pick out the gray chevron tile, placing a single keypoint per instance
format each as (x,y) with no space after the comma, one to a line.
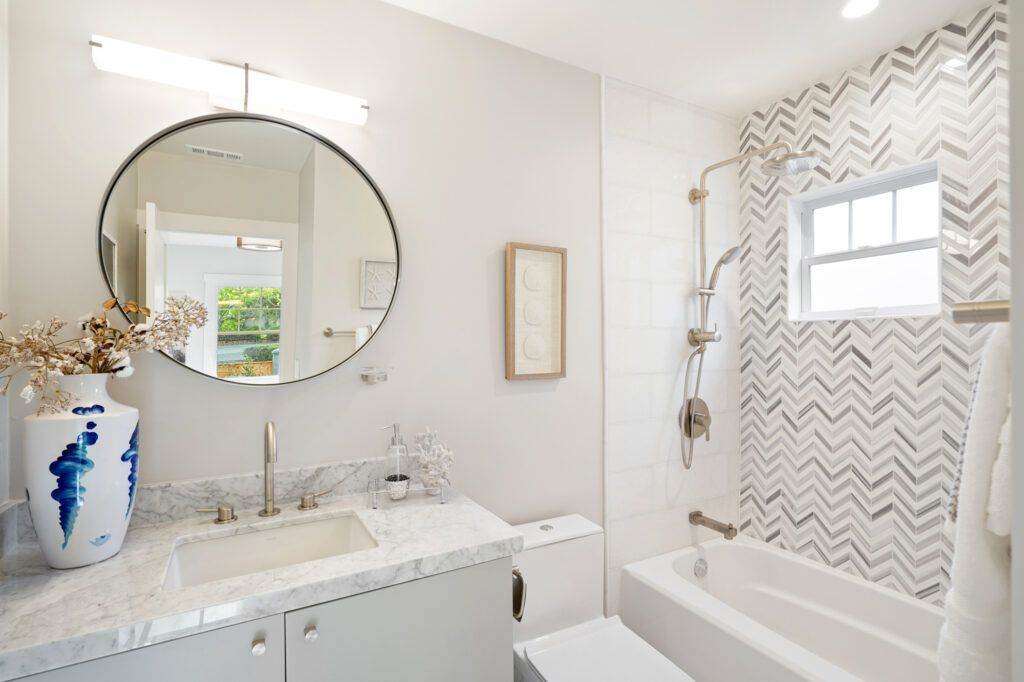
(849,430)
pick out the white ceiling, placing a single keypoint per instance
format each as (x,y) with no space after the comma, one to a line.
(261,144)
(726,55)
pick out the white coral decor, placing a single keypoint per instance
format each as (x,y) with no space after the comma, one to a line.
(435,458)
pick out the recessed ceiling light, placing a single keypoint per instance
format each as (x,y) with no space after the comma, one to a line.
(258,244)
(855,9)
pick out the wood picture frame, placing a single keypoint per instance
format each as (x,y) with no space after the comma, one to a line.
(535,301)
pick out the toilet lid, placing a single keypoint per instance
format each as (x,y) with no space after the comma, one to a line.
(603,652)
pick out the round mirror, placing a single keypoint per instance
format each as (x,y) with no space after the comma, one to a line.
(278,232)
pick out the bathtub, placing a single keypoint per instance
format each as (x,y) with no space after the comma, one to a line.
(762,613)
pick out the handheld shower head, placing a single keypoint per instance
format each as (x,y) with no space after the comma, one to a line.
(727,257)
(790,163)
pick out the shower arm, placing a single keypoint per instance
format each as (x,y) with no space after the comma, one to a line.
(698,196)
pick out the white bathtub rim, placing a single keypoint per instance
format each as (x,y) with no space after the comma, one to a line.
(820,567)
(658,574)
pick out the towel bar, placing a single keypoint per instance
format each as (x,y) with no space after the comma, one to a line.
(331,332)
(972,312)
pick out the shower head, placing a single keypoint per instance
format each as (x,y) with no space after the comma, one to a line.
(727,257)
(790,163)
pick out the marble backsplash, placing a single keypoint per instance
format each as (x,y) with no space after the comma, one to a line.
(174,500)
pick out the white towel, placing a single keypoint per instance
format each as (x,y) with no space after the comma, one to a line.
(974,644)
(363,335)
(1000,497)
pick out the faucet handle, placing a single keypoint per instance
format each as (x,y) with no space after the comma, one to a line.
(308,501)
(225,513)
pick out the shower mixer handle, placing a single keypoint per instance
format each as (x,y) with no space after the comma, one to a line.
(695,418)
(698,336)
(703,420)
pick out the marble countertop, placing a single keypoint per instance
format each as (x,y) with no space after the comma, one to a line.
(53,618)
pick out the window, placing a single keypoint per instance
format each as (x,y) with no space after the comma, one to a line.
(248,331)
(869,248)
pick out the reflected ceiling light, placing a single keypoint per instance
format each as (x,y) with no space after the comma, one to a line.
(225,83)
(957,62)
(258,244)
(854,9)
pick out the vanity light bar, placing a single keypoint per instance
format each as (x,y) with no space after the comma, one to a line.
(269,94)
(225,83)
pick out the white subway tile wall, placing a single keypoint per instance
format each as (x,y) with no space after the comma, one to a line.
(654,151)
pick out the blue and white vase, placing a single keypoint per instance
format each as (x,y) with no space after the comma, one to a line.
(81,470)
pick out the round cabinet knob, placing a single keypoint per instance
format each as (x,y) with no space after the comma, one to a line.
(311,633)
(259,647)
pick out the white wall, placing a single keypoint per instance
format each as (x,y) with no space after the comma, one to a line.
(349,224)
(305,270)
(121,223)
(4,258)
(480,144)
(1016,78)
(654,151)
(187,185)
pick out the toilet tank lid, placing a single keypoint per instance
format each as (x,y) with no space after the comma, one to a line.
(558,529)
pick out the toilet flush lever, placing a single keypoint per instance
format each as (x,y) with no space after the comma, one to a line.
(518,594)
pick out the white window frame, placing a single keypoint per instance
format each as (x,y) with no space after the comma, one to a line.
(801,241)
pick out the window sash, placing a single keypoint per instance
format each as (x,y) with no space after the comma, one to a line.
(867,252)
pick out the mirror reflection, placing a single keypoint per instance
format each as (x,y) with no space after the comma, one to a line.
(283,239)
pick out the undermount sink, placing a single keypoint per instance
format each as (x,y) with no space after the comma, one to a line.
(203,561)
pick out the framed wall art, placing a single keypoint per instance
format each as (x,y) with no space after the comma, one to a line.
(535,278)
(377,279)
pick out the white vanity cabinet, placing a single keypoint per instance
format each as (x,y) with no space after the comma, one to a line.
(446,628)
(252,651)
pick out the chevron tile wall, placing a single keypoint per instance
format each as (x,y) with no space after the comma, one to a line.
(850,429)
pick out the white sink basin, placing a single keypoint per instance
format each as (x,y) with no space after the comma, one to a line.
(203,561)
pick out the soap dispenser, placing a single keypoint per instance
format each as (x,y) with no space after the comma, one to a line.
(397,484)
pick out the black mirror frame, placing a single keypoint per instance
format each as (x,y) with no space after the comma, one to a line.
(239,116)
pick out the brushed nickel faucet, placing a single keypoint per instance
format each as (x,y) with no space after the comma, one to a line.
(726,529)
(269,459)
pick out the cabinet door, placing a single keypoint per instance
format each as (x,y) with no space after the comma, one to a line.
(446,628)
(253,652)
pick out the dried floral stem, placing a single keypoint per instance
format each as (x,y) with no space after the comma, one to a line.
(103,350)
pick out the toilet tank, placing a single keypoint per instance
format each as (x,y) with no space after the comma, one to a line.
(562,563)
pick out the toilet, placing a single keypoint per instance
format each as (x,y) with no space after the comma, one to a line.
(564,636)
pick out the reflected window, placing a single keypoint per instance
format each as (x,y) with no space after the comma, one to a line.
(248,332)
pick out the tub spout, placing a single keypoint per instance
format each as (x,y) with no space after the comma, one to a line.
(728,530)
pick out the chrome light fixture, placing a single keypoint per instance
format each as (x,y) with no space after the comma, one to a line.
(228,86)
(258,244)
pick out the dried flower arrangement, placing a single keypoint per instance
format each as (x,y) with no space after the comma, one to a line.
(103,349)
